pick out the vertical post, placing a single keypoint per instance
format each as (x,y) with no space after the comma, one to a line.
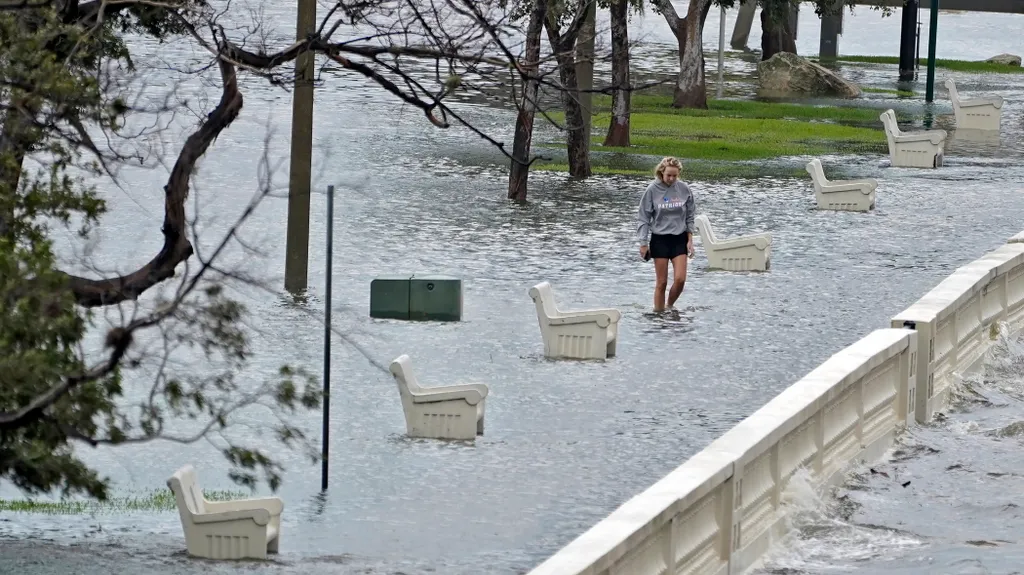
(933,31)
(831,28)
(908,35)
(721,53)
(585,66)
(296,263)
(326,431)
(744,20)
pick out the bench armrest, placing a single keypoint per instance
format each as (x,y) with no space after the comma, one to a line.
(259,516)
(934,136)
(273,505)
(996,101)
(473,393)
(603,318)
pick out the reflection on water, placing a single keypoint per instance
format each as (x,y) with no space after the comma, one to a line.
(566,442)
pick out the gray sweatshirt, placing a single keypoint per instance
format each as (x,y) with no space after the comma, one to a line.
(665,210)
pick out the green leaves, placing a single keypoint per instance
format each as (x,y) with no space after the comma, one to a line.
(183,375)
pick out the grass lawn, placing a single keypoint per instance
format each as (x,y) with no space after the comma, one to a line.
(901,93)
(729,131)
(957,65)
(651,103)
(159,500)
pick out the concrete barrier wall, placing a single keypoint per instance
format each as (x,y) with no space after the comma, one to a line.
(959,319)
(720,511)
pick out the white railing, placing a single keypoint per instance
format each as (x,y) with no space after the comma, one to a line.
(958,319)
(720,511)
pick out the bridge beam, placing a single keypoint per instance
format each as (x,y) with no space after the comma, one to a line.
(1000,6)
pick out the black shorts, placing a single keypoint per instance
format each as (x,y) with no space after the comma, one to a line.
(669,245)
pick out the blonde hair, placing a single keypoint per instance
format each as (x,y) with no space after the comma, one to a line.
(666,162)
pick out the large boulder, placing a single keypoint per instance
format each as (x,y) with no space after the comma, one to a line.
(787,73)
(1005,59)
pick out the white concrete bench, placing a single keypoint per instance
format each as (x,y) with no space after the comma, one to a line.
(923,149)
(751,252)
(580,334)
(845,195)
(239,529)
(446,412)
(982,113)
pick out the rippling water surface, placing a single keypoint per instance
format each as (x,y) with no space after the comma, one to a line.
(566,442)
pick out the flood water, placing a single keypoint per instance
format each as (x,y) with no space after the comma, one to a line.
(565,442)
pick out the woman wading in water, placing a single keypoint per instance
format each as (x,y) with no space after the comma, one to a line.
(665,229)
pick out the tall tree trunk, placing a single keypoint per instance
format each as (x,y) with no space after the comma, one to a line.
(564,46)
(519,172)
(777,33)
(585,66)
(691,89)
(618,128)
(15,141)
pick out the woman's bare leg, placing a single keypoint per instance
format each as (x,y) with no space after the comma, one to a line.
(660,282)
(679,265)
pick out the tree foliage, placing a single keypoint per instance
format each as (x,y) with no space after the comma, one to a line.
(59,92)
(169,363)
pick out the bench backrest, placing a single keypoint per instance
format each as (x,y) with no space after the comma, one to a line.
(816,172)
(954,96)
(405,378)
(892,129)
(704,227)
(544,298)
(187,493)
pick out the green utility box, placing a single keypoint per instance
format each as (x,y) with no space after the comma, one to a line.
(389,297)
(437,298)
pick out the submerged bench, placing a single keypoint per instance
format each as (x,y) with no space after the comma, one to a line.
(579,334)
(922,149)
(843,195)
(982,113)
(446,412)
(238,529)
(751,252)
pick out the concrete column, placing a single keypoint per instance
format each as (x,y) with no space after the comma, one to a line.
(741,32)
(831,29)
(908,40)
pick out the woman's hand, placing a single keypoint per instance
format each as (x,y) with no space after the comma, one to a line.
(689,247)
(643,252)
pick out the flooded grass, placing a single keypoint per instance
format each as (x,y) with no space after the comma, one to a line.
(752,109)
(156,500)
(726,139)
(956,65)
(732,139)
(901,93)
(641,166)
(728,132)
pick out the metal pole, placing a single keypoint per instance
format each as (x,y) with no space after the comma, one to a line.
(932,33)
(327,337)
(721,52)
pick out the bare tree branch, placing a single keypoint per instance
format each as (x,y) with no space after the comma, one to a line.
(176,249)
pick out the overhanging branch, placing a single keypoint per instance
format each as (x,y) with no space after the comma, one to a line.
(176,249)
